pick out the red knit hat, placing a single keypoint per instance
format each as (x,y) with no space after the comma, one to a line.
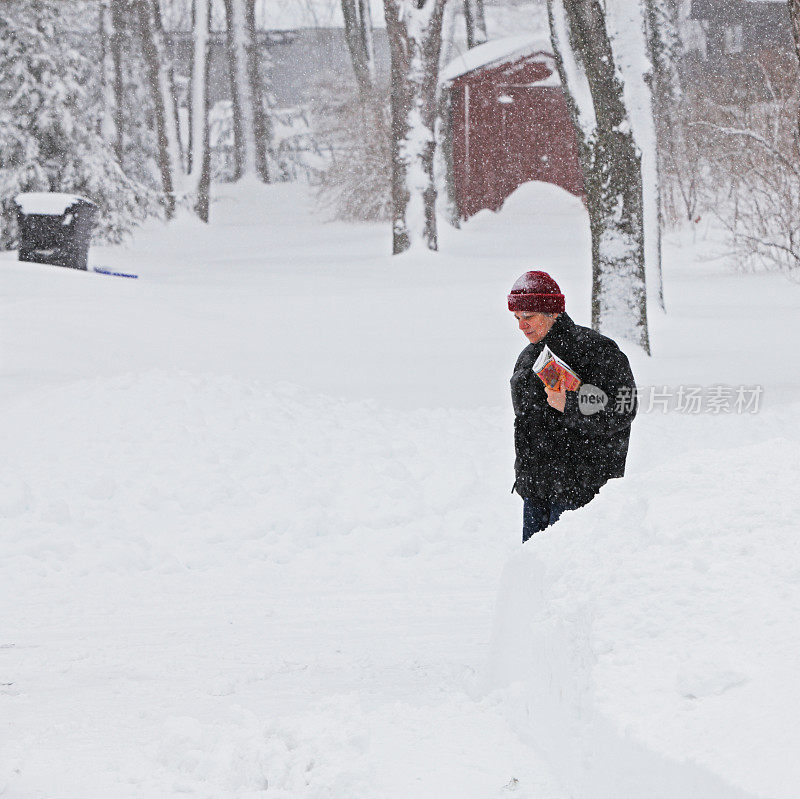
(536,291)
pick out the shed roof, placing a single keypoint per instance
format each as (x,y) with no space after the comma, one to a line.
(500,51)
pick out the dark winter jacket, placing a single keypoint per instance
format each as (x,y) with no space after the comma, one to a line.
(568,456)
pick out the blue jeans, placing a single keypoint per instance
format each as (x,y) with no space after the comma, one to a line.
(539,514)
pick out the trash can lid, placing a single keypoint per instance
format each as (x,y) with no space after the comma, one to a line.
(49,203)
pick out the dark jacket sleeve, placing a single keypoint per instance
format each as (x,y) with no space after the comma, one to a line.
(527,396)
(611,372)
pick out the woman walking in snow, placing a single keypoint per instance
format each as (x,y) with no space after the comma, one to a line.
(573,411)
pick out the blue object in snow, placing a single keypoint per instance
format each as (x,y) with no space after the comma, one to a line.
(101,271)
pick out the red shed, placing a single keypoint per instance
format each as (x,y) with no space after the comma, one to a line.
(509,123)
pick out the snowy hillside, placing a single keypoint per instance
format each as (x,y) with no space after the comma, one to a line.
(257,535)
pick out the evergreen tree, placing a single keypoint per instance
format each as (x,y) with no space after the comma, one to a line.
(50,122)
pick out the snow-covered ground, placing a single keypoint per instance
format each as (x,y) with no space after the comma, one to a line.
(257,536)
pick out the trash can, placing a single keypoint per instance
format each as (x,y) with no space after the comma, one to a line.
(55,228)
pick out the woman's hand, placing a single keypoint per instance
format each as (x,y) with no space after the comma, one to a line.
(556,399)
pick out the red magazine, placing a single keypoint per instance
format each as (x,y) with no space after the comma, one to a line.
(554,373)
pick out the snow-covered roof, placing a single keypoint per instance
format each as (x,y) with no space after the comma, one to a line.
(494,52)
(48,203)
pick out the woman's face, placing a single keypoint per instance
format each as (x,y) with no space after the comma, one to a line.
(534,325)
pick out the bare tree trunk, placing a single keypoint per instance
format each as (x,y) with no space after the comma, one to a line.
(106,123)
(664,49)
(359,35)
(159,78)
(611,167)
(475,22)
(249,118)
(118,27)
(166,85)
(170,94)
(642,29)
(443,165)
(199,149)
(414,28)
(261,121)
(365,15)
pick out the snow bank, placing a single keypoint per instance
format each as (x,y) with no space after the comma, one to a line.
(250,590)
(173,471)
(650,639)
